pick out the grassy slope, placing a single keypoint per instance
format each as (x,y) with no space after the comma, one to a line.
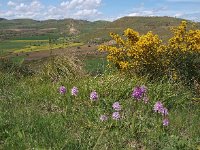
(34,115)
(90,30)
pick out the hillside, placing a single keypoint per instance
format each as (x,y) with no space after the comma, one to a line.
(23,28)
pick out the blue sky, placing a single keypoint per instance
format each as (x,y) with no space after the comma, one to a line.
(98,9)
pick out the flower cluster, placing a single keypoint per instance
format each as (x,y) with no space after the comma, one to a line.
(139,92)
(117,107)
(103,118)
(159,108)
(62,90)
(115,115)
(74,91)
(94,96)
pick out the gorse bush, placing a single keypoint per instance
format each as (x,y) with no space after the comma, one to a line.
(147,54)
(183,51)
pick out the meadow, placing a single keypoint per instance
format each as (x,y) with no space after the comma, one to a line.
(101,101)
(35,114)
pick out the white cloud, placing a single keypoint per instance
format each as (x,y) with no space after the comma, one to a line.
(81,4)
(11,3)
(83,14)
(164,11)
(178,15)
(85,9)
(79,9)
(142,13)
(148,12)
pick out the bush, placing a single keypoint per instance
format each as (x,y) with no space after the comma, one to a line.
(147,54)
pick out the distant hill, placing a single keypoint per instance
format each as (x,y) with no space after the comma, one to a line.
(2,19)
(19,28)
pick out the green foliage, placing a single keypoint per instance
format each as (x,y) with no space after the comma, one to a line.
(34,115)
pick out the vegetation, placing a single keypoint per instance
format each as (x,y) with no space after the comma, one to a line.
(146,54)
(35,115)
(61,102)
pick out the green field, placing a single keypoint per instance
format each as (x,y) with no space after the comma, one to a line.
(14,45)
(18,46)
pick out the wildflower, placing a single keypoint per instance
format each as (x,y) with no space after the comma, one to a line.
(74,91)
(158,107)
(143,89)
(116,115)
(62,90)
(116,106)
(103,118)
(139,92)
(165,122)
(93,96)
(164,111)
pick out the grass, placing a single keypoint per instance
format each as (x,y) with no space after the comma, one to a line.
(47,47)
(18,46)
(34,115)
(95,66)
(37,37)
(12,45)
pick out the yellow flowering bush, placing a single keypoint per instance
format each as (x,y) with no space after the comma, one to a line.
(183,51)
(147,54)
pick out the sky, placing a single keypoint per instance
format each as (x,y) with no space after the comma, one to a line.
(93,10)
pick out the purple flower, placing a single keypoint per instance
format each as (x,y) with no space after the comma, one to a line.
(74,91)
(143,89)
(103,118)
(164,111)
(138,92)
(116,106)
(62,90)
(165,122)
(158,107)
(116,115)
(93,96)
